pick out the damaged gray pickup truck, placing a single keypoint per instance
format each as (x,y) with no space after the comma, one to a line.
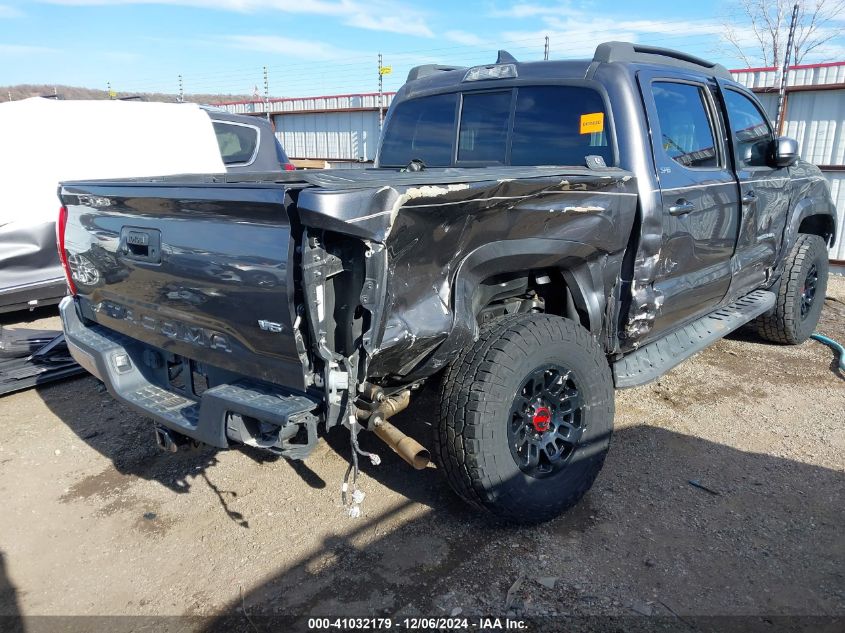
(534,235)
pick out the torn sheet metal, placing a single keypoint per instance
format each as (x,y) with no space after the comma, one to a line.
(30,358)
(444,239)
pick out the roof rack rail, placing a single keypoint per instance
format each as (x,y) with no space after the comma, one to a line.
(418,72)
(628,52)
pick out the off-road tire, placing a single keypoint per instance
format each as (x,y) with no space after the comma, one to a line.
(784,323)
(471,444)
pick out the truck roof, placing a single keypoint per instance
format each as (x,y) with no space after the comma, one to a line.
(433,77)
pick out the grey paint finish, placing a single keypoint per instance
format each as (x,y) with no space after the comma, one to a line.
(29,265)
(383,275)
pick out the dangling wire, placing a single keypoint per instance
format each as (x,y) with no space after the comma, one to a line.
(357,496)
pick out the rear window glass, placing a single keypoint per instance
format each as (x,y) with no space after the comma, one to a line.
(484,127)
(544,125)
(237,142)
(421,129)
(559,125)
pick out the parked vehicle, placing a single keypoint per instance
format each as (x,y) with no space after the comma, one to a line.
(81,141)
(247,143)
(535,235)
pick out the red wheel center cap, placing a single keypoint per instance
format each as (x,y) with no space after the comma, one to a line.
(542,419)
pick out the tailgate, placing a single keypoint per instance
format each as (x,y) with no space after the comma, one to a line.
(203,271)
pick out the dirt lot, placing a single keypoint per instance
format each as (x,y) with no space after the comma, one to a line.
(96,521)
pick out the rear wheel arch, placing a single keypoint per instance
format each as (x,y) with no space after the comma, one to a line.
(574,269)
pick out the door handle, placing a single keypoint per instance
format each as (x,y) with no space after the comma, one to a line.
(681,206)
(749,197)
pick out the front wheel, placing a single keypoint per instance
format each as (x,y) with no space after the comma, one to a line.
(800,295)
(525,419)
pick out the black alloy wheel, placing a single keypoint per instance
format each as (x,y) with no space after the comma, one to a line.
(546,421)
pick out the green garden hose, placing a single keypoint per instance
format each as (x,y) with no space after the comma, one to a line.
(837,347)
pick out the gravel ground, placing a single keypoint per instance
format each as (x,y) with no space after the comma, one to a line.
(97,521)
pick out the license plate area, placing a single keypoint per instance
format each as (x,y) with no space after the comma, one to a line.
(187,377)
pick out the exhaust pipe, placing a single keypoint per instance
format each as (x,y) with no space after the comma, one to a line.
(164,439)
(406,447)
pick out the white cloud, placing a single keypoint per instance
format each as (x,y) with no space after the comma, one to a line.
(7,11)
(522,10)
(24,49)
(291,47)
(405,25)
(578,35)
(325,7)
(375,15)
(827,52)
(574,32)
(465,38)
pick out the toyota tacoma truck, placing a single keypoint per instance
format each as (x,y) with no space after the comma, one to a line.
(533,237)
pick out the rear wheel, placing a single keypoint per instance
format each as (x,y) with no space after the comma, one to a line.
(801,294)
(525,417)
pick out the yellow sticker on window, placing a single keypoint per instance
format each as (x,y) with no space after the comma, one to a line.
(592,122)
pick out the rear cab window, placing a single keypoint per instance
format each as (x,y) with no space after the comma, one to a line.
(421,129)
(238,142)
(526,126)
(559,125)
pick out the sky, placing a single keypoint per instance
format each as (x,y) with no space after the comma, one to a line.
(318,47)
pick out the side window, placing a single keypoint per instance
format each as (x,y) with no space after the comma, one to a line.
(237,142)
(751,133)
(484,127)
(686,131)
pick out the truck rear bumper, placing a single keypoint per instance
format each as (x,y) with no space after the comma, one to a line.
(240,410)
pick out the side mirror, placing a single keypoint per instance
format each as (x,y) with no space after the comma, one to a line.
(785,151)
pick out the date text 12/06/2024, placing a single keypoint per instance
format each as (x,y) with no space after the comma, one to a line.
(417,624)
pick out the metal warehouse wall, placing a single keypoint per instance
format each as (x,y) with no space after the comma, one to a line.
(330,135)
(815,117)
(341,128)
(837,188)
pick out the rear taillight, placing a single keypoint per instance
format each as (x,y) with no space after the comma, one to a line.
(289,167)
(61,225)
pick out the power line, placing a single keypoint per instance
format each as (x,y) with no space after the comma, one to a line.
(358,72)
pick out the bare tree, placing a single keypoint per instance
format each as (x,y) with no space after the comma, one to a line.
(757,29)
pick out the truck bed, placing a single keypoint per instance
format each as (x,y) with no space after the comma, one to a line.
(210,268)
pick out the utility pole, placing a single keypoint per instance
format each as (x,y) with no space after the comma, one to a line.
(380,86)
(546,50)
(108,87)
(266,93)
(10,95)
(779,115)
(181,90)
